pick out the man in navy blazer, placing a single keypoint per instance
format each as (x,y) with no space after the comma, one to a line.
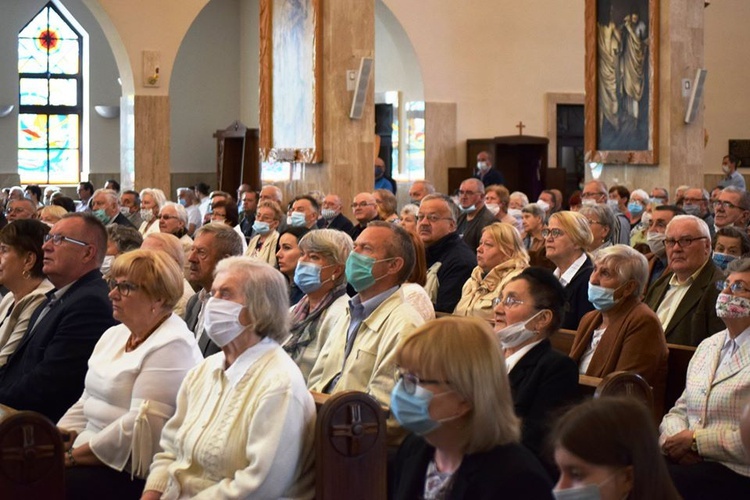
(47,370)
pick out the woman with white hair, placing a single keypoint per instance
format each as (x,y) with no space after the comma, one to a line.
(245,420)
(622,333)
(321,277)
(602,222)
(408,219)
(173,219)
(152,200)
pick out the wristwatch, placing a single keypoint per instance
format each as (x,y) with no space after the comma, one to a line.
(694,444)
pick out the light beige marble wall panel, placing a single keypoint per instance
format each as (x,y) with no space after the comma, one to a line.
(152,137)
(440,142)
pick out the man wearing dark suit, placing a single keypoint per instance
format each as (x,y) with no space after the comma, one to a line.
(365,211)
(106,207)
(474,215)
(47,370)
(212,243)
(685,298)
(332,216)
(485,172)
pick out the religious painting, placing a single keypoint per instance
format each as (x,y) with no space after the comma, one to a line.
(622,81)
(290,81)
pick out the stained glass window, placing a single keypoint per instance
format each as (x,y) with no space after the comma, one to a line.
(50,101)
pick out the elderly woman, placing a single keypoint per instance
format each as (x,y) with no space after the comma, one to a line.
(601,221)
(623,333)
(542,380)
(152,200)
(120,239)
(262,446)
(500,257)
(173,219)
(453,395)
(565,240)
(606,448)
(288,256)
(263,245)
(533,224)
(21,258)
(700,435)
(320,275)
(225,210)
(131,385)
(50,214)
(408,218)
(386,205)
(729,243)
(168,243)
(497,201)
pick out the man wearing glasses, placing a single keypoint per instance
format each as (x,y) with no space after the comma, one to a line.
(365,211)
(685,298)
(46,372)
(474,215)
(732,208)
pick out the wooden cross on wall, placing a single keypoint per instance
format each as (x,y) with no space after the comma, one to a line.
(520,128)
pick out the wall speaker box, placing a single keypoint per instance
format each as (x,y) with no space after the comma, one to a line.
(696,95)
(360,89)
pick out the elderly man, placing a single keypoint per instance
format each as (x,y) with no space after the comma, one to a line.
(685,298)
(85,192)
(449,260)
(186,197)
(695,202)
(595,192)
(657,228)
(660,196)
(485,172)
(212,243)
(46,372)
(332,216)
(732,177)
(106,208)
(732,208)
(305,212)
(359,353)
(474,215)
(130,206)
(418,190)
(365,210)
(271,193)
(21,209)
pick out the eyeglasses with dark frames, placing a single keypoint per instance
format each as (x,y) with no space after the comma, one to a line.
(411,381)
(124,288)
(57,239)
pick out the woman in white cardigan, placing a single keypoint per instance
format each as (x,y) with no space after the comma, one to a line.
(262,246)
(21,272)
(134,374)
(245,420)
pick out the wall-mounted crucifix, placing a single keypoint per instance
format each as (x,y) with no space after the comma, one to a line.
(520,128)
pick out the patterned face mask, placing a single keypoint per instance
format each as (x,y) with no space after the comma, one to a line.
(732,306)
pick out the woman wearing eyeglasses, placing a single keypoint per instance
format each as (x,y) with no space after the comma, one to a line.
(21,273)
(700,436)
(500,257)
(262,246)
(454,396)
(173,219)
(622,333)
(566,238)
(602,222)
(542,380)
(112,432)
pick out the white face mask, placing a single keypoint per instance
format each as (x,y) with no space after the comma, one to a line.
(656,243)
(147,214)
(482,166)
(515,212)
(585,492)
(543,205)
(588,202)
(516,334)
(725,169)
(221,321)
(494,208)
(613,204)
(107,264)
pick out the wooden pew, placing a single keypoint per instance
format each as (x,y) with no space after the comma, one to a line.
(677,365)
(31,456)
(350,447)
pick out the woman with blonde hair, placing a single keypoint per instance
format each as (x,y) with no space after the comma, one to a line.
(566,238)
(50,214)
(263,245)
(386,204)
(152,200)
(500,257)
(453,394)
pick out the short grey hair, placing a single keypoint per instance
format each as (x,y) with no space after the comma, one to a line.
(533,209)
(269,311)
(744,196)
(519,194)
(478,185)
(276,190)
(604,215)
(226,239)
(741,265)
(629,264)
(157,194)
(168,243)
(702,226)
(125,238)
(333,245)
(641,194)
(111,195)
(452,207)
(409,209)
(181,212)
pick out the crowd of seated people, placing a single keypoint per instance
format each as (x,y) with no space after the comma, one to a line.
(240,312)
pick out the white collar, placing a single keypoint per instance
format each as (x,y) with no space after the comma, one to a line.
(245,360)
(571,272)
(513,359)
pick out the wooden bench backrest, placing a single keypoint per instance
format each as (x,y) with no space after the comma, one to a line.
(350,447)
(562,340)
(677,365)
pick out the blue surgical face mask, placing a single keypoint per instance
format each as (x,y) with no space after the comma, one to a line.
(359,271)
(468,210)
(307,276)
(183,202)
(297,219)
(102,216)
(603,299)
(261,227)
(328,213)
(722,260)
(635,208)
(412,411)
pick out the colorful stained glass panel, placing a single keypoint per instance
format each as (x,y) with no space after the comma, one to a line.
(32,131)
(34,91)
(64,59)
(63,92)
(32,165)
(63,131)
(63,166)
(30,58)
